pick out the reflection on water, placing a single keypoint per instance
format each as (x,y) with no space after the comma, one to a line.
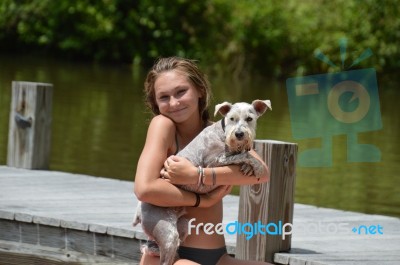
(100,121)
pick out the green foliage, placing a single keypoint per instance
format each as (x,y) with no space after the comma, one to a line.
(90,29)
(267,36)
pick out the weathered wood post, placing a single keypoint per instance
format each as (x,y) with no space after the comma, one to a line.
(269,202)
(30,125)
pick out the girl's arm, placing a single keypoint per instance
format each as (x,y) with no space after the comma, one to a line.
(149,187)
(233,175)
(179,170)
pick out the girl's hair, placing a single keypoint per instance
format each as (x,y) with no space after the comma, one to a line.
(189,69)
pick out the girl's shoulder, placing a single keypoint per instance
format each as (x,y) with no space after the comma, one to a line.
(161,120)
(161,134)
(162,124)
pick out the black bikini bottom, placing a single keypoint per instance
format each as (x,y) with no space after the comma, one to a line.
(202,256)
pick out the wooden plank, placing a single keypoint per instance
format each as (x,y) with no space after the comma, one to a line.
(51,236)
(74,225)
(7,215)
(45,220)
(122,232)
(104,245)
(24,217)
(30,125)
(29,233)
(98,228)
(341,258)
(9,230)
(80,241)
(268,202)
(29,254)
(127,248)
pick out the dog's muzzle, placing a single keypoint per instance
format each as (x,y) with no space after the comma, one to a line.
(239,135)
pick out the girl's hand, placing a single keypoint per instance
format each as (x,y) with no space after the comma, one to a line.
(179,170)
(211,198)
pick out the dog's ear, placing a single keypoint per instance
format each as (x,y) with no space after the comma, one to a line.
(261,106)
(223,108)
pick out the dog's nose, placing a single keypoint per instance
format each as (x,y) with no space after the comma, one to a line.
(239,135)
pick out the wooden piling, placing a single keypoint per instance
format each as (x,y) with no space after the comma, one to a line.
(268,203)
(30,125)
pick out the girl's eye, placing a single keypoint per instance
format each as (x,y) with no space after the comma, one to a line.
(249,119)
(181,92)
(163,98)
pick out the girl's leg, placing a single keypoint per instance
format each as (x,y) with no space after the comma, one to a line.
(228,260)
(149,260)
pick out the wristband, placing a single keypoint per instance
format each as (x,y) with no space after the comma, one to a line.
(197,200)
(200,171)
(214,177)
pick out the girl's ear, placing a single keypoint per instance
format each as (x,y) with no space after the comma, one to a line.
(223,108)
(261,106)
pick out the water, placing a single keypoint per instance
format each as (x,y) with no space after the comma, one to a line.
(100,121)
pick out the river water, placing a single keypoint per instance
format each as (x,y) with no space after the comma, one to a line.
(99,127)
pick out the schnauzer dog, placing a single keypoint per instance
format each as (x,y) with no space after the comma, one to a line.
(224,143)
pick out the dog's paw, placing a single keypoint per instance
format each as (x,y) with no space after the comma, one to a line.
(258,168)
(259,171)
(138,215)
(246,169)
(135,222)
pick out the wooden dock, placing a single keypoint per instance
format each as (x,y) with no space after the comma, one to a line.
(83,219)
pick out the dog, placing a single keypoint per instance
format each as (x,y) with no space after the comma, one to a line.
(223,143)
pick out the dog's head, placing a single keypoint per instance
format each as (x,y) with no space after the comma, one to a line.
(240,121)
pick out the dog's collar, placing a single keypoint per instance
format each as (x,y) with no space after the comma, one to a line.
(223,123)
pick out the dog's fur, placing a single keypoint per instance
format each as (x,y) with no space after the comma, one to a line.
(215,146)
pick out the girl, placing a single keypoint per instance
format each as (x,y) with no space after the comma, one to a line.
(178,93)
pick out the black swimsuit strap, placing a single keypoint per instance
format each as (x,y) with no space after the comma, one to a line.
(177,143)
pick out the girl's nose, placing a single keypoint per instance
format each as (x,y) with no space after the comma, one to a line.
(174,101)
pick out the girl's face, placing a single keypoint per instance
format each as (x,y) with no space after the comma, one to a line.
(176,97)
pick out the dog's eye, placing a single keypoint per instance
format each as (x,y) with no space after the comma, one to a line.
(232,119)
(249,119)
